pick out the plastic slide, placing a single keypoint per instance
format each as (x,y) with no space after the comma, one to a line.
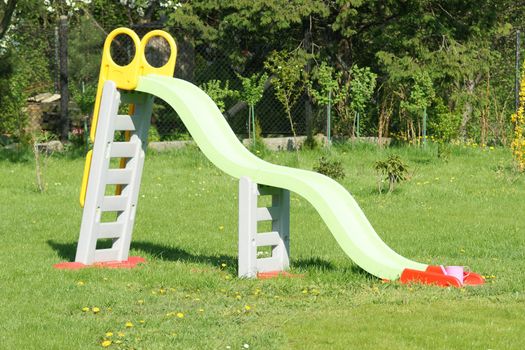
(220,145)
(337,207)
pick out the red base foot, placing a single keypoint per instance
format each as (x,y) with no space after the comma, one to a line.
(275,274)
(434,275)
(132,262)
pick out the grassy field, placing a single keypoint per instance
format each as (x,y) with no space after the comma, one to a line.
(466,210)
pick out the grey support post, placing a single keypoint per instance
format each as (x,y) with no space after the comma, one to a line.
(249,239)
(101,175)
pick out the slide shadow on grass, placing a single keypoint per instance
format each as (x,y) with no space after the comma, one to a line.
(67,252)
(170,253)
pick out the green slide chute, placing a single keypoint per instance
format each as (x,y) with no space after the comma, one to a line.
(345,220)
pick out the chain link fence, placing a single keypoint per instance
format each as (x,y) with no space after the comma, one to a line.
(85,45)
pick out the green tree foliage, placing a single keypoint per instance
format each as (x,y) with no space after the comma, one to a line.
(219,92)
(361,90)
(251,93)
(462,49)
(252,88)
(288,79)
(326,79)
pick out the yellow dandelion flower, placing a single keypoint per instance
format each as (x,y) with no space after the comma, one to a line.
(106,343)
(142,321)
(223,265)
(95,310)
(109,334)
(85,309)
(80,283)
(221,227)
(180,315)
(201,310)
(121,334)
(247,307)
(129,324)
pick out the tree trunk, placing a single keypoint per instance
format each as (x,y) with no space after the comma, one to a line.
(5,21)
(185,68)
(386,114)
(308,47)
(64,92)
(470,85)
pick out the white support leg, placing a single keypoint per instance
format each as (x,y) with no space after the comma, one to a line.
(249,239)
(247,228)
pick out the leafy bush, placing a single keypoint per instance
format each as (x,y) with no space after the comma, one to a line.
(393,170)
(330,168)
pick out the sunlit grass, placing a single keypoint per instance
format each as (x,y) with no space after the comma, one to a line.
(466,210)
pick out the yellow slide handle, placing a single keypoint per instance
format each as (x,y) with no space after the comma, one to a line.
(126,78)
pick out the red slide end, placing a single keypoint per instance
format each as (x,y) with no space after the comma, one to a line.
(434,275)
(132,262)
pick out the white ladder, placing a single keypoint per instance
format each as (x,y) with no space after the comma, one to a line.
(249,237)
(93,227)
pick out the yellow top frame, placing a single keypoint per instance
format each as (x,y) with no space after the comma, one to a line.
(126,77)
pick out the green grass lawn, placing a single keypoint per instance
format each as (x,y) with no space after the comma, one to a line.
(464,211)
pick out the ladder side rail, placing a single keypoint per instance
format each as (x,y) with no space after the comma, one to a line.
(91,214)
(142,120)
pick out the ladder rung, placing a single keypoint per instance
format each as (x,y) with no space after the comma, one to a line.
(124,122)
(268,238)
(102,255)
(110,230)
(114,203)
(123,149)
(118,176)
(268,264)
(266,214)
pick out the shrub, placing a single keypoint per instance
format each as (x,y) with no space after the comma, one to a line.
(330,168)
(393,170)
